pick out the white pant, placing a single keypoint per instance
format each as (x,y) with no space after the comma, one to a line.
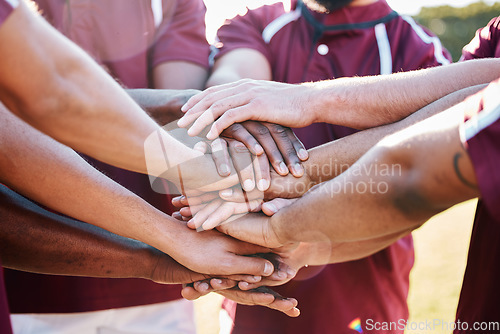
(175,317)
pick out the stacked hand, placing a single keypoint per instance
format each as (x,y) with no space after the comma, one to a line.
(254,162)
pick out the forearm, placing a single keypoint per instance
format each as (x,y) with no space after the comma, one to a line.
(366,102)
(234,66)
(163,105)
(396,186)
(330,160)
(33,239)
(56,87)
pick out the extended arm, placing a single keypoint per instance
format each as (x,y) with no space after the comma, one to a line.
(399,184)
(54,175)
(361,102)
(35,240)
(53,85)
(395,187)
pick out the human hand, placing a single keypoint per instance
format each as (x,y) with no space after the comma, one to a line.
(283,149)
(247,99)
(208,210)
(213,253)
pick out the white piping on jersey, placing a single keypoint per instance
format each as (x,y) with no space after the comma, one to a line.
(281,21)
(157,7)
(384,49)
(479,122)
(438,48)
(13,3)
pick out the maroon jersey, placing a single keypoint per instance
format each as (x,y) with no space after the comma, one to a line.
(486,42)
(302,45)
(6,7)
(128,38)
(4,309)
(478,308)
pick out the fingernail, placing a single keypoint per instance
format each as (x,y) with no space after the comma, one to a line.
(281,275)
(217,281)
(248,185)
(183,200)
(190,132)
(257,278)
(203,286)
(226,193)
(291,272)
(272,207)
(298,170)
(243,285)
(211,135)
(183,108)
(303,155)
(268,269)
(283,168)
(263,185)
(258,149)
(224,169)
(180,122)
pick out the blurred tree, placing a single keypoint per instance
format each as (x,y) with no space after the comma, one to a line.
(457,26)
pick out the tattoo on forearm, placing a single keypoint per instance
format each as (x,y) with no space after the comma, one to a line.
(456,158)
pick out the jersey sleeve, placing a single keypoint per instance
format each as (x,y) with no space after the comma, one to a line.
(6,8)
(245,31)
(181,35)
(485,44)
(480,133)
(415,47)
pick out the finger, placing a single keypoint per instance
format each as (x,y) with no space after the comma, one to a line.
(236,194)
(229,209)
(220,155)
(246,278)
(299,146)
(201,216)
(238,264)
(177,215)
(242,162)
(282,137)
(205,96)
(262,172)
(219,284)
(263,135)
(234,115)
(222,105)
(263,298)
(273,206)
(240,133)
(201,146)
(189,293)
(201,199)
(177,202)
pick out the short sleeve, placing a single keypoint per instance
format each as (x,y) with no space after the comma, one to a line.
(181,35)
(6,8)
(245,31)
(481,135)
(486,42)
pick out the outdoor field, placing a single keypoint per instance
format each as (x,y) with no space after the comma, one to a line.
(441,250)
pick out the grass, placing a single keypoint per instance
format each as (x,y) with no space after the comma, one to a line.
(441,250)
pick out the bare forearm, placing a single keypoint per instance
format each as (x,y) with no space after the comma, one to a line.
(163,105)
(330,160)
(371,101)
(33,239)
(396,186)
